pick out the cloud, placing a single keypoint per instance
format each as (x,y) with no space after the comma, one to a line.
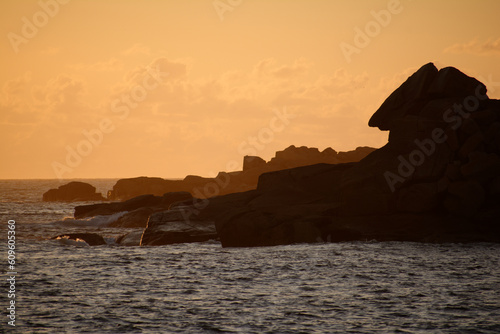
(137,49)
(14,101)
(112,64)
(207,116)
(489,47)
(299,68)
(61,102)
(60,90)
(268,67)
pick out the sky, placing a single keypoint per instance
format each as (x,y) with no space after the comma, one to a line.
(126,88)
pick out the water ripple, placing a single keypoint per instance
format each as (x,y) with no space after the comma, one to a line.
(347,287)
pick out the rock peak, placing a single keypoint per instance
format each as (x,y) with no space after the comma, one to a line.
(422,87)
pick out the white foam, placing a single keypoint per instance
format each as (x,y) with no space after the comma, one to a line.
(96,221)
(65,240)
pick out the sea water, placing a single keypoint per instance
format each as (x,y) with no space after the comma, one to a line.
(350,287)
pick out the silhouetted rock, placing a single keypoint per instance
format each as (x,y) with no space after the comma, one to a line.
(125,189)
(73,192)
(92,239)
(250,162)
(406,99)
(436,180)
(450,82)
(227,183)
(353,156)
(464,198)
(426,93)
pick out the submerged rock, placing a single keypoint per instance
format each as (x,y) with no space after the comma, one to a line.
(92,239)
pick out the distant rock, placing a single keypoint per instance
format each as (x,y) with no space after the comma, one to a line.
(125,189)
(354,156)
(73,192)
(251,162)
(232,182)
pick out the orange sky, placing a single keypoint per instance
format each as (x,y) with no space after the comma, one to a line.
(120,88)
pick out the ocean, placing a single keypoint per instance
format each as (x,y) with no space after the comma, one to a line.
(349,287)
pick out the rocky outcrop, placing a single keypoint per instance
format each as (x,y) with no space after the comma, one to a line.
(253,162)
(433,139)
(73,192)
(436,180)
(174,226)
(227,183)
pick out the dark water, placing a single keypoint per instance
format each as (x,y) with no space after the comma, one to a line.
(358,287)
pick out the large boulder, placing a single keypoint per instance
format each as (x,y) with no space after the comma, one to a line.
(430,123)
(450,82)
(406,99)
(441,88)
(73,192)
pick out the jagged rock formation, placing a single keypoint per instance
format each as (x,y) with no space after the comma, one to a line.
(437,179)
(226,183)
(142,206)
(73,192)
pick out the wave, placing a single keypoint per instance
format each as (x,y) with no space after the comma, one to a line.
(96,221)
(65,240)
